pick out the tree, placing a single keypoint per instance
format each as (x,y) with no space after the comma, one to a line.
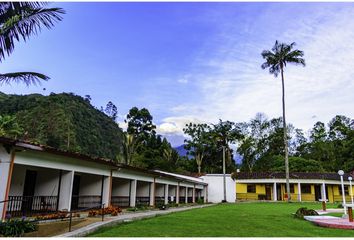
(140,123)
(111,111)
(198,142)
(129,144)
(276,61)
(9,127)
(20,20)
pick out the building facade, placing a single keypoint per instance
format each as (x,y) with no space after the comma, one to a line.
(36,179)
(303,187)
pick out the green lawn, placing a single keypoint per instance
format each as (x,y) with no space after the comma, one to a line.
(228,220)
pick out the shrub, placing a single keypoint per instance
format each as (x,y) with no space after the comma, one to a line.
(162,206)
(200,201)
(55,216)
(301,212)
(16,227)
(114,211)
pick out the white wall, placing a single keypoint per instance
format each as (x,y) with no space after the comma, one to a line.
(17,180)
(172,190)
(47,182)
(5,159)
(160,190)
(216,189)
(90,185)
(120,187)
(142,189)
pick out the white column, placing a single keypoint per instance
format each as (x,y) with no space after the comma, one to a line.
(106,193)
(177,193)
(152,194)
(66,189)
(299,191)
(132,193)
(186,195)
(166,194)
(5,178)
(193,195)
(275,197)
(205,194)
(324,196)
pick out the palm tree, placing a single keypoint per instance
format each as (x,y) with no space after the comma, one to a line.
(129,145)
(20,20)
(276,61)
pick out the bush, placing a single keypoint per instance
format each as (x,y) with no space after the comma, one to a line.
(162,206)
(16,227)
(55,216)
(114,211)
(301,212)
(200,201)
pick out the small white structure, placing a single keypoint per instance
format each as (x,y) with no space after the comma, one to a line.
(216,187)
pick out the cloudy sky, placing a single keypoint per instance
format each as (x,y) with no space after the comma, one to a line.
(196,62)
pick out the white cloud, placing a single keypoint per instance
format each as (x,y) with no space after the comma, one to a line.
(234,87)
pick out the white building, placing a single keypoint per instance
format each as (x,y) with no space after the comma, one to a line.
(37,178)
(216,187)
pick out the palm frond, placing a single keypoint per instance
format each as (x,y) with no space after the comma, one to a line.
(22,22)
(280,56)
(26,77)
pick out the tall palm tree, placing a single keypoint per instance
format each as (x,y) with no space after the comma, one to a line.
(276,61)
(20,20)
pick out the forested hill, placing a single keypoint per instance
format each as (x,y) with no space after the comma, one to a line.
(65,121)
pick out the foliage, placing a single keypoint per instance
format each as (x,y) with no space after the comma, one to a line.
(303,211)
(262,149)
(56,215)
(140,123)
(114,211)
(9,126)
(20,20)
(16,227)
(206,143)
(197,145)
(111,110)
(65,121)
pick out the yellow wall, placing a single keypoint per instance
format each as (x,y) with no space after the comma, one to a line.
(330,193)
(241,188)
(333,192)
(260,189)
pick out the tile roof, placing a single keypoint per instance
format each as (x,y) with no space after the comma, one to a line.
(293,175)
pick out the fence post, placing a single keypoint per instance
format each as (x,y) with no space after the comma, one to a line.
(350,213)
(70,219)
(102,212)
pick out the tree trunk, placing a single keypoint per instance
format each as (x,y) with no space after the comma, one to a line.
(285,139)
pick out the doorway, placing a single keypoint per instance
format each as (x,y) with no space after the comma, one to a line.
(268,191)
(28,190)
(318,194)
(75,192)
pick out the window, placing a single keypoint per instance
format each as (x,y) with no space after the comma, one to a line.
(292,188)
(306,188)
(251,188)
(346,190)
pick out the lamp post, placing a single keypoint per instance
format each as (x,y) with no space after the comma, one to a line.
(351,190)
(224,172)
(341,173)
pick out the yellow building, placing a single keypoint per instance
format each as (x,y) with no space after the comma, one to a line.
(303,187)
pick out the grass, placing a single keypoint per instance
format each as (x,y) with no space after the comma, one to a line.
(228,220)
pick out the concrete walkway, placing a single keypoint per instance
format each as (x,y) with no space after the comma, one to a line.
(126,217)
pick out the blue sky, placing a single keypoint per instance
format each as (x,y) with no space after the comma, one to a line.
(196,61)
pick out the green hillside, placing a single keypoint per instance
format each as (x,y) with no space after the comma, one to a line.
(65,121)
